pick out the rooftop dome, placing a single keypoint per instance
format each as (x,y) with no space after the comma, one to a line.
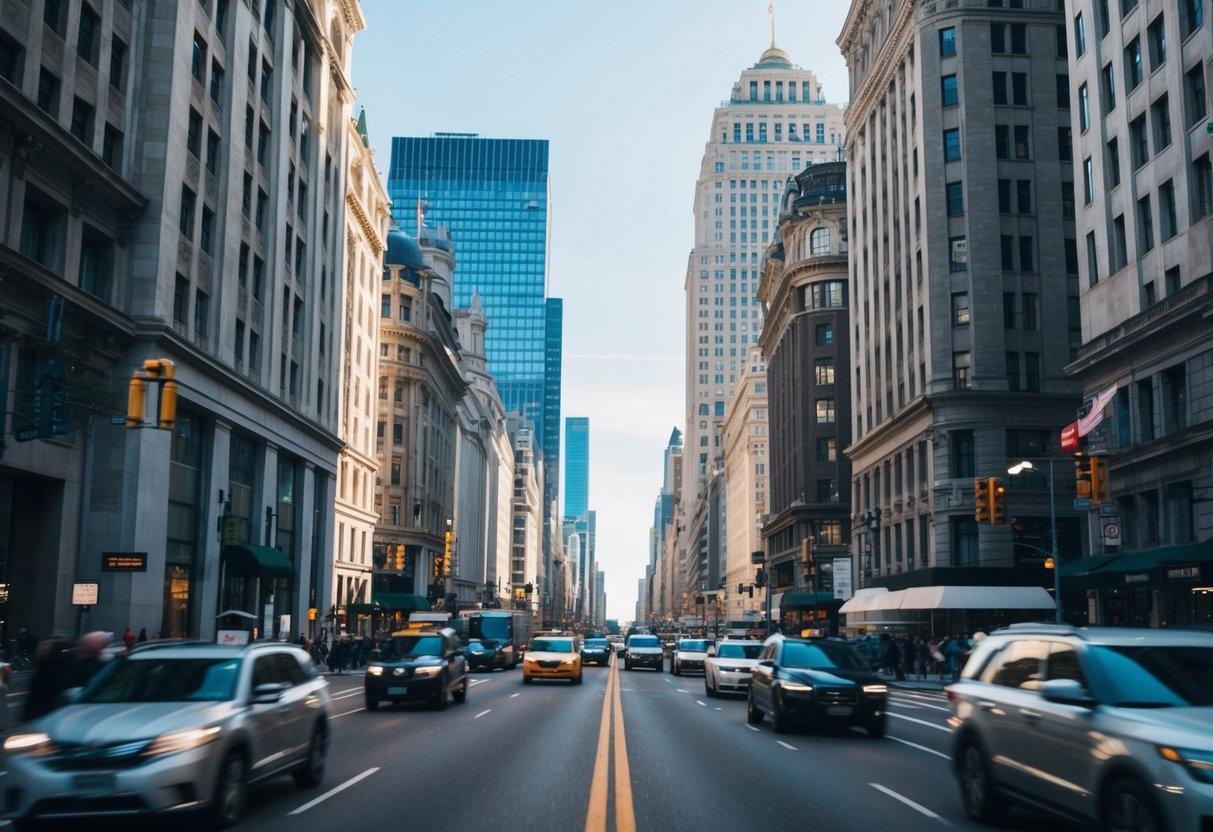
(775,57)
(402,250)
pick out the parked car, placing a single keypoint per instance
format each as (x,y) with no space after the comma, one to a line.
(728,671)
(418,664)
(689,654)
(816,682)
(1107,726)
(168,728)
(595,651)
(552,657)
(644,651)
(484,654)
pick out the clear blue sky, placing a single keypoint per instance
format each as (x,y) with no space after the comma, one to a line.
(625,92)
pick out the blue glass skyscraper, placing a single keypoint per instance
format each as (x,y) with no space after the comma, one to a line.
(576,465)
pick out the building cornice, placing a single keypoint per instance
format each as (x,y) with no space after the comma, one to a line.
(369,231)
(876,80)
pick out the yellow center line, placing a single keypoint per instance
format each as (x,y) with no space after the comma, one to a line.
(625,817)
(596,813)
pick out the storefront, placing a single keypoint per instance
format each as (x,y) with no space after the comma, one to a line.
(935,611)
(1166,587)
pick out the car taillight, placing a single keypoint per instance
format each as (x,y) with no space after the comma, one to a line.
(8,672)
(952,695)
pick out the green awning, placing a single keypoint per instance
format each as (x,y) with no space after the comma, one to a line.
(249,561)
(360,609)
(1085,566)
(806,599)
(1164,556)
(402,601)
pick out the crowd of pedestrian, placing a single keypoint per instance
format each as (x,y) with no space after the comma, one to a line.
(906,656)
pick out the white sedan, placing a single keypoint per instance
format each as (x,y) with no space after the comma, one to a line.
(729,670)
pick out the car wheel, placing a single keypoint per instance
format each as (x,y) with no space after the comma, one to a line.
(311,771)
(526,680)
(372,704)
(1127,806)
(231,792)
(876,729)
(577,678)
(460,696)
(627,665)
(439,702)
(753,714)
(707,688)
(779,720)
(978,792)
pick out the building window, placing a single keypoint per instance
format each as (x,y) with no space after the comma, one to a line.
(202,302)
(829,294)
(1139,142)
(1014,382)
(1191,16)
(1002,141)
(1027,253)
(950,93)
(1168,220)
(1135,71)
(1108,85)
(827,449)
(48,93)
(1092,260)
(958,248)
(1113,162)
(1065,144)
(181,299)
(1160,114)
(205,234)
(824,372)
(216,81)
(819,241)
(964,453)
(1084,109)
(198,59)
(1202,187)
(1080,35)
(1023,149)
(1031,370)
(1019,39)
(212,154)
(947,42)
(82,121)
(825,411)
(1195,107)
(960,309)
(955,197)
(1063,91)
(185,220)
(1157,37)
(385,306)
(193,133)
(951,145)
(961,363)
(998,38)
(1088,180)
(825,334)
(87,40)
(1031,311)
(96,262)
(1145,224)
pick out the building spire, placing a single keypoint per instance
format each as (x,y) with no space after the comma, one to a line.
(771,12)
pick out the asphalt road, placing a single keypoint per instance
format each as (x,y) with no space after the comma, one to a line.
(551,756)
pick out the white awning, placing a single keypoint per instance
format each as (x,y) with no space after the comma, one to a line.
(974,598)
(863,600)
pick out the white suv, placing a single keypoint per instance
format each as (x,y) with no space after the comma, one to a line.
(1109,726)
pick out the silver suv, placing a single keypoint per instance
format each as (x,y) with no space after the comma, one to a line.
(1109,726)
(172,727)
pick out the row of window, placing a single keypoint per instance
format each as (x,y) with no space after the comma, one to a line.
(1191,17)
(778,90)
(818,135)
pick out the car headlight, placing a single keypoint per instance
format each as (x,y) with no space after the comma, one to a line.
(796,687)
(569,661)
(374,670)
(1198,763)
(427,671)
(875,690)
(181,740)
(28,743)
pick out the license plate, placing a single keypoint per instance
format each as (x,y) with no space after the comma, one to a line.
(838,710)
(93,783)
(399,690)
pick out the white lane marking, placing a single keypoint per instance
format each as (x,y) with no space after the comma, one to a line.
(719,709)
(680,690)
(785,745)
(334,791)
(482,713)
(346,695)
(512,695)
(347,713)
(752,727)
(919,747)
(918,704)
(943,728)
(472,683)
(915,806)
(701,702)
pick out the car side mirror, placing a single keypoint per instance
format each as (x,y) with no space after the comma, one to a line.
(268,693)
(70,696)
(1067,692)
(767,663)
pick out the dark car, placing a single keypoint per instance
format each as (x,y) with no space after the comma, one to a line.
(816,682)
(418,666)
(484,654)
(595,651)
(644,651)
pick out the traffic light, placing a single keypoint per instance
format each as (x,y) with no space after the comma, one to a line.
(161,371)
(981,500)
(1082,478)
(1099,480)
(399,557)
(760,578)
(998,502)
(134,401)
(446,554)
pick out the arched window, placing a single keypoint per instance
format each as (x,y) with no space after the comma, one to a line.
(819,241)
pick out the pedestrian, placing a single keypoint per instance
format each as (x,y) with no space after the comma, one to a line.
(952,651)
(87,659)
(27,642)
(47,683)
(142,635)
(923,651)
(128,639)
(334,657)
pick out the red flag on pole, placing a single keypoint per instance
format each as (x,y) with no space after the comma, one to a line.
(420,218)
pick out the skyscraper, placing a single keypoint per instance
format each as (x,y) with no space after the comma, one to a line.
(576,465)
(774,124)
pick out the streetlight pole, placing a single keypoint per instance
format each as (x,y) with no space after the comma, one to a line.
(1028,466)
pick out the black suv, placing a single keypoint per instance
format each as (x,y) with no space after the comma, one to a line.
(595,651)
(418,666)
(818,681)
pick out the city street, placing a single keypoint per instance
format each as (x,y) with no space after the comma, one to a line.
(541,756)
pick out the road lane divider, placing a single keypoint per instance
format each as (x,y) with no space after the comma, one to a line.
(596,811)
(625,814)
(482,713)
(788,746)
(612,747)
(918,807)
(937,727)
(335,790)
(919,747)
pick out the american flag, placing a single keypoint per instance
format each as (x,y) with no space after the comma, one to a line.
(420,218)
(1094,413)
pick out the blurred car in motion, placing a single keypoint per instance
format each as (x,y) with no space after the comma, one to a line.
(552,657)
(1112,727)
(6,674)
(484,654)
(689,654)
(644,650)
(172,728)
(815,682)
(595,651)
(418,664)
(728,671)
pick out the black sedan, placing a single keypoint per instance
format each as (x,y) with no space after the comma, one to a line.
(817,682)
(595,651)
(484,654)
(417,665)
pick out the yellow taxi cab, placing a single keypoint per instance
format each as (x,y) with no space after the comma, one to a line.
(552,656)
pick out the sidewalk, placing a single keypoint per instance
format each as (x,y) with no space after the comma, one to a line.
(911,683)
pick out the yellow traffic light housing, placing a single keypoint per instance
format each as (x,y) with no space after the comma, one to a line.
(1099,480)
(399,557)
(162,372)
(135,399)
(998,502)
(981,500)
(446,554)
(1082,478)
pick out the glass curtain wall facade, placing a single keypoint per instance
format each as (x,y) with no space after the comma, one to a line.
(576,465)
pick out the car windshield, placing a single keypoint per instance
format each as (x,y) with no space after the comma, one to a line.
(477,646)
(821,654)
(495,627)
(595,643)
(401,647)
(739,651)
(164,680)
(643,641)
(698,645)
(552,645)
(1150,676)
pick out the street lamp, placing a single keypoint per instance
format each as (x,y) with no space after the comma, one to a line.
(1026,465)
